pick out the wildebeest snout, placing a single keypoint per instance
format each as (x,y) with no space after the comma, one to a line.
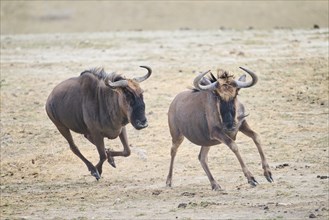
(230,126)
(140,124)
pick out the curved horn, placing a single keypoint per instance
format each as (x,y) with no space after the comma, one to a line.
(117,84)
(143,78)
(241,84)
(197,85)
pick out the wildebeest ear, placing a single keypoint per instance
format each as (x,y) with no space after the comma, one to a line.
(205,81)
(242,78)
(212,78)
(117,84)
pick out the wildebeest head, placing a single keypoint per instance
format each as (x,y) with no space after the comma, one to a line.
(226,88)
(132,101)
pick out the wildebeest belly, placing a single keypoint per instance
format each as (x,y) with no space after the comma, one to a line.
(202,141)
(197,131)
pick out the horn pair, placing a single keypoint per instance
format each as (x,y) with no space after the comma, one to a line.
(124,83)
(214,85)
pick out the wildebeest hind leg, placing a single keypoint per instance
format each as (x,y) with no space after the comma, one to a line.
(67,135)
(203,158)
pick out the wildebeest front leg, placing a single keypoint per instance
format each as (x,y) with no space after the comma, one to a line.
(222,137)
(126,150)
(245,129)
(99,142)
(203,158)
(176,142)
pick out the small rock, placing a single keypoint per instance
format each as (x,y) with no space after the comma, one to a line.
(312,216)
(156,192)
(315,26)
(192,204)
(182,205)
(241,53)
(322,177)
(280,166)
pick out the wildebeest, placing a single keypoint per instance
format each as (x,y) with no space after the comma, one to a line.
(98,105)
(211,114)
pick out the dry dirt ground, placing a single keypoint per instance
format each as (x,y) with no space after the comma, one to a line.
(42,179)
(23,17)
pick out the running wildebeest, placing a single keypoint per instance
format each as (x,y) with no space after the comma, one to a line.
(211,114)
(98,105)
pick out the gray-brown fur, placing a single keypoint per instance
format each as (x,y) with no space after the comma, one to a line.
(198,115)
(98,105)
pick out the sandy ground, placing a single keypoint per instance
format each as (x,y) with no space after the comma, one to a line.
(42,179)
(25,17)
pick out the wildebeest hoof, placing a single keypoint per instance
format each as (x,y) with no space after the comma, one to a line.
(269,178)
(168,183)
(215,187)
(96,174)
(111,161)
(253,182)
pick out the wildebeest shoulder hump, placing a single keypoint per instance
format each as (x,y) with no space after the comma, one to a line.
(102,75)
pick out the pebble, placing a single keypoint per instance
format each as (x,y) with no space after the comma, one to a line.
(182,205)
(312,216)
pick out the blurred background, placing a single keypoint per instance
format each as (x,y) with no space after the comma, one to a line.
(25,17)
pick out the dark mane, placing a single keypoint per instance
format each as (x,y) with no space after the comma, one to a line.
(223,74)
(102,75)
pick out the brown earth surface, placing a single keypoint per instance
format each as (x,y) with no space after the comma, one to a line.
(42,179)
(26,17)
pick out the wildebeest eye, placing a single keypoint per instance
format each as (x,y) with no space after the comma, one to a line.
(130,96)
